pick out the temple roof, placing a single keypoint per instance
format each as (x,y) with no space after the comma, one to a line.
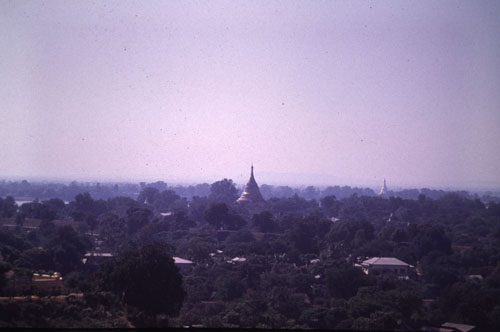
(251,192)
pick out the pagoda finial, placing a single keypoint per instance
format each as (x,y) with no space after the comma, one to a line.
(251,170)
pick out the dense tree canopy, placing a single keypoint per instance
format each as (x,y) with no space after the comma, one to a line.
(145,278)
(290,265)
(67,248)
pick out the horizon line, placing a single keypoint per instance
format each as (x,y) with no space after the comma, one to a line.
(362,184)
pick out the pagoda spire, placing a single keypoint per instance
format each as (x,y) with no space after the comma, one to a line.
(251,192)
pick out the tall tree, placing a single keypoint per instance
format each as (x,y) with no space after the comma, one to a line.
(216,214)
(146,279)
(223,191)
(67,248)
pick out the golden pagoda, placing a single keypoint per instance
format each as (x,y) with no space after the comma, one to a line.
(251,193)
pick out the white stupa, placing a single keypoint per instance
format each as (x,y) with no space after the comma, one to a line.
(383,191)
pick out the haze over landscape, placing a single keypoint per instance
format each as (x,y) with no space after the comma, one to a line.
(291,165)
(310,92)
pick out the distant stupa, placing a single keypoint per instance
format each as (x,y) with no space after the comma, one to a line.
(383,191)
(251,193)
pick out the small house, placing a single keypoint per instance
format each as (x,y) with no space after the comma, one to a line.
(386,264)
(96,258)
(47,281)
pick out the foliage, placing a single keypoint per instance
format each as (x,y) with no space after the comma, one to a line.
(8,207)
(137,218)
(219,216)
(223,191)
(264,221)
(92,311)
(67,248)
(295,262)
(344,282)
(145,278)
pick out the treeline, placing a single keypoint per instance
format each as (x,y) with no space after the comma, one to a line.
(66,192)
(46,190)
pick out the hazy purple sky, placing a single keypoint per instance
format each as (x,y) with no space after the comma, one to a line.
(335,92)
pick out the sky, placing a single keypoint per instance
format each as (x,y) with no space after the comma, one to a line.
(311,92)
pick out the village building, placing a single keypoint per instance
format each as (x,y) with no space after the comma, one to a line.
(458,327)
(92,260)
(47,281)
(475,277)
(27,283)
(96,258)
(184,265)
(386,264)
(237,260)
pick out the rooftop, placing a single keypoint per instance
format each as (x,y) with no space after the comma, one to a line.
(237,260)
(384,261)
(99,254)
(459,327)
(179,260)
